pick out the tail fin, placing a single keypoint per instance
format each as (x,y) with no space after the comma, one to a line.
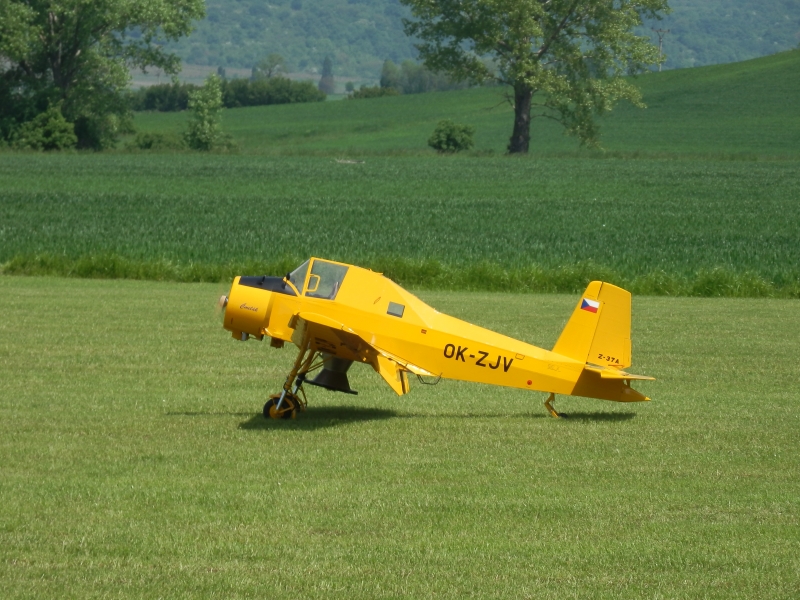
(599,330)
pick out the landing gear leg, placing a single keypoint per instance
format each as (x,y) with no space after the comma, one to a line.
(286,404)
(548,404)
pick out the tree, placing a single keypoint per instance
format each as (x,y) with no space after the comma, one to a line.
(570,55)
(390,75)
(204,132)
(326,83)
(272,66)
(77,54)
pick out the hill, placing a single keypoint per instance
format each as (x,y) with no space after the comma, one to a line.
(741,108)
(707,32)
(360,34)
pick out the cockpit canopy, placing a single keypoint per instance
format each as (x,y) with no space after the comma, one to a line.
(324,280)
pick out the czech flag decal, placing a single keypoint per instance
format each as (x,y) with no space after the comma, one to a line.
(590,305)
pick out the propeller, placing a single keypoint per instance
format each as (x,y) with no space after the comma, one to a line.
(221,304)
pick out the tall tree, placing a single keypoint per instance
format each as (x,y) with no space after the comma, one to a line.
(205,104)
(390,75)
(564,59)
(326,83)
(78,53)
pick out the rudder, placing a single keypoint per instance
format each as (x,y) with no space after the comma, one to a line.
(599,330)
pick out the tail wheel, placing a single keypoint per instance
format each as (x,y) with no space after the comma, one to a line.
(288,409)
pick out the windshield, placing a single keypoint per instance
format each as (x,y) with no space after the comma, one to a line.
(325,280)
(298,276)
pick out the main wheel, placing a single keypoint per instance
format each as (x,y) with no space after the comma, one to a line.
(288,408)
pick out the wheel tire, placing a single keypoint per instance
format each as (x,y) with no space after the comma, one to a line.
(292,403)
(270,409)
(270,403)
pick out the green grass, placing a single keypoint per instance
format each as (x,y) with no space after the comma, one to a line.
(741,109)
(679,227)
(134,462)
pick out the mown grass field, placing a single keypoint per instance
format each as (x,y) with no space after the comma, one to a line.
(135,463)
(741,109)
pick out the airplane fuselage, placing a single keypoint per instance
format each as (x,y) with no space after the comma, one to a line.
(361,316)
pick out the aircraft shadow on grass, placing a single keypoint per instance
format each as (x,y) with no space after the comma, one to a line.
(322,417)
(318,417)
(598,416)
(207,414)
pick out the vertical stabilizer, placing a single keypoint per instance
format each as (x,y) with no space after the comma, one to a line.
(599,330)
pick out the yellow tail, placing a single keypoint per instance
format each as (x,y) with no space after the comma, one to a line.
(599,330)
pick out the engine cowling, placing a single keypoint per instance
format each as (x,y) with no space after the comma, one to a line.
(247,311)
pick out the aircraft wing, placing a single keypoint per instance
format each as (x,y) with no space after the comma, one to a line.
(612,373)
(330,335)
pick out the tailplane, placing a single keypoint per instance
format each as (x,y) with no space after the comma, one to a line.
(598,335)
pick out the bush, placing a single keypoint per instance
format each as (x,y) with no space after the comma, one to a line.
(100,132)
(450,137)
(373,92)
(46,131)
(261,92)
(165,97)
(156,141)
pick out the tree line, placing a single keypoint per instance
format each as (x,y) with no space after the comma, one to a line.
(236,93)
(408,77)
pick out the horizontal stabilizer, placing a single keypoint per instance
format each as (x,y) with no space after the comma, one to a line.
(609,373)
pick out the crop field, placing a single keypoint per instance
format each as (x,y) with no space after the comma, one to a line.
(656,226)
(695,195)
(135,462)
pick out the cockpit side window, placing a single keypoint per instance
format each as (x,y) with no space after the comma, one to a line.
(298,276)
(325,280)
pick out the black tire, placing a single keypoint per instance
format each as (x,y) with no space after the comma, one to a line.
(289,414)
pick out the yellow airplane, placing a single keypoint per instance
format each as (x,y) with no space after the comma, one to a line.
(338,314)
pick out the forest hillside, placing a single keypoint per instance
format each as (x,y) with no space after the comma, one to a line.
(358,35)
